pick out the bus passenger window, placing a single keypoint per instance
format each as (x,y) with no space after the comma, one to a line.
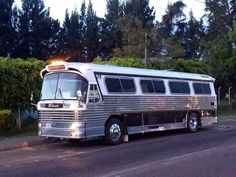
(147,86)
(177,87)
(93,94)
(159,86)
(113,85)
(128,85)
(202,88)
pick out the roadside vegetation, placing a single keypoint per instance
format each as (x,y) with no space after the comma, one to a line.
(8,125)
(19,79)
(227,110)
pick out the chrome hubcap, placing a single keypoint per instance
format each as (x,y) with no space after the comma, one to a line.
(115,132)
(193,123)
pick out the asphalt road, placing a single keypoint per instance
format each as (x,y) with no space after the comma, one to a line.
(211,152)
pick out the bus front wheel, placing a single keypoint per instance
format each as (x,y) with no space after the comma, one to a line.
(114,132)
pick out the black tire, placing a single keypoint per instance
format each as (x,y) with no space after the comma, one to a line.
(114,132)
(192,122)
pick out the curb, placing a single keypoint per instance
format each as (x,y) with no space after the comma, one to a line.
(26,144)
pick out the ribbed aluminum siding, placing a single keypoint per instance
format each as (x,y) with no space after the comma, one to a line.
(96,114)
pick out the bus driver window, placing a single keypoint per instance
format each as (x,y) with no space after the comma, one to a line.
(94,96)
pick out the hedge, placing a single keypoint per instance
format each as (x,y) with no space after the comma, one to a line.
(19,78)
(6,121)
(181,65)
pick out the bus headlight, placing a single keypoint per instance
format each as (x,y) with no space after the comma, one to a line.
(75,125)
(39,124)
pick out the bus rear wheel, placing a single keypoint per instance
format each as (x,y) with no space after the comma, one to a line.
(192,122)
(114,132)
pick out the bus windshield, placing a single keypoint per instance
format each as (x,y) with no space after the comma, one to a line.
(63,86)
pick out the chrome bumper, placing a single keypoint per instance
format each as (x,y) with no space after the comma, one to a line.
(70,130)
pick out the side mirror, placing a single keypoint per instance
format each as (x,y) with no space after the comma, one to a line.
(79,95)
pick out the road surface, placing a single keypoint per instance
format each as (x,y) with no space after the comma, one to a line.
(211,152)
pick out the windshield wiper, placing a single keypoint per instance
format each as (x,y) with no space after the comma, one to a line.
(61,95)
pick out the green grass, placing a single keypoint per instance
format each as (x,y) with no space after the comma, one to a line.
(30,129)
(17,133)
(226,110)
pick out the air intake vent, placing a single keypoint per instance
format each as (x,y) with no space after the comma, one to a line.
(57,115)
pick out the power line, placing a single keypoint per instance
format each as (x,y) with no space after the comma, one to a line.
(158,7)
(200,1)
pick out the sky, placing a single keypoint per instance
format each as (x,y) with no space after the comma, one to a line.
(58,7)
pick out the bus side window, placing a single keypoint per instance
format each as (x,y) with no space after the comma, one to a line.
(93,94)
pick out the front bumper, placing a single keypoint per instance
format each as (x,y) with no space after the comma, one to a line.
(68,130)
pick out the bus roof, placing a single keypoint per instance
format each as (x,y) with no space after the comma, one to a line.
(84,68)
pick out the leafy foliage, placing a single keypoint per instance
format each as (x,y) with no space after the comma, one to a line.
(132,46)
(91,34)
(127,61)
(6,121)
(140,9)
(7,32)
(18,80)
(181,65)
(71,37)
(171,30)
(36,30)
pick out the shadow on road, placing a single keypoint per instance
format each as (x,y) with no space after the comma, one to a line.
(99,143)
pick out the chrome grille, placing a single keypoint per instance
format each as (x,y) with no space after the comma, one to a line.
(57,115)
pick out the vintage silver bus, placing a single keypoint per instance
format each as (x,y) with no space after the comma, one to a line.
(83,100)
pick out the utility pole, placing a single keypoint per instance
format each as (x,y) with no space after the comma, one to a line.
(219,95)
(229,93)
(145,51)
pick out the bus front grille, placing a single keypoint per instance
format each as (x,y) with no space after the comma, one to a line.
(58,115)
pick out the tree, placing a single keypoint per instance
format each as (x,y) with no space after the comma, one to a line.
(108,38)
(91,34)
(7,32)
(133,40)
(71,44)
(220,15)
(217,57)
(218,48)
(170,31)
(193,35)
(233,9)
(231,62)
(54,40)
(35,30)
(173,20)
(109,33)
(114,11)
(82,26)
(141,10)
(232,34)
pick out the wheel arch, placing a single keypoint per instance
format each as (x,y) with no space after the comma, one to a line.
(119,117)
